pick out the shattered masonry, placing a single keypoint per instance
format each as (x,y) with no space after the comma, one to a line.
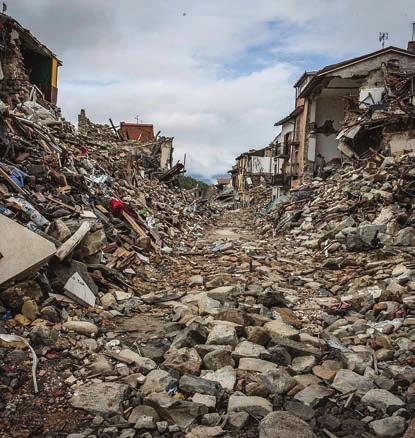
(154,312)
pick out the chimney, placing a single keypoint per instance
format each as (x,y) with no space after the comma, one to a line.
(411,44)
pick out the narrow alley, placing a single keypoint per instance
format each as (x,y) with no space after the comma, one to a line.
(171,285)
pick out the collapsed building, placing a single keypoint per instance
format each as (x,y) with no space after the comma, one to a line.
(27,66)
(252,168)
(149,153)
(348,110)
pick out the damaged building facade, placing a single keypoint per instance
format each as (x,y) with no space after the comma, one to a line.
(252,168)
(349,110)
(27,66)
(151,153)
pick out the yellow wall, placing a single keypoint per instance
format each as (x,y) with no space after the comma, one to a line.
(54,73)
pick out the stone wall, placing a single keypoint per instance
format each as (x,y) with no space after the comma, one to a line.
(15,86)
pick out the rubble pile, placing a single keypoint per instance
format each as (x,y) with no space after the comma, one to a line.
(207,326)
(384,126)
(82,226)
(353,209)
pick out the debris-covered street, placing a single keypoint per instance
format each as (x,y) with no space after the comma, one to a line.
(138,301)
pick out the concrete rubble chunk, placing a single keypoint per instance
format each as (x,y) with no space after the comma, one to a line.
(79,291)
(388,427)
(249,349)
(294,347)
(205,432)
(145,364)
(225,376)
(217,359)
(258,407)
(313,394)
(179,412)
(347,381)
(16,260)
(157,381)
(140,411)
(193,384)
(100,398)
(184,360)
(195,280)
(82,327)
(222,334)
(256,365)
(303,364)
(280,328)
(281,424)
(382,400)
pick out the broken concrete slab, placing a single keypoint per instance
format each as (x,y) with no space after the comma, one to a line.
(78,290)
(16,261)
(100,398)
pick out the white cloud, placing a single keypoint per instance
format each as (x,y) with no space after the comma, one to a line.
(215,75)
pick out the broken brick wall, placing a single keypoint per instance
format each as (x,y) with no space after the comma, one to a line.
(86,127)
(14,86)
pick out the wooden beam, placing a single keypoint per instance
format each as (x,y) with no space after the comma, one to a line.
(11,182)
(69,245)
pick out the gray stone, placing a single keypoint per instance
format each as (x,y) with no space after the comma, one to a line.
(222,334)
(141,411)
(368,232)
(158,381)
(195,280)
(100,398)
(145,422)
(256,365)
(313,394)
(107,300)
(357,361)
(389,427)
(218,359)
(347,380)
(82,327)
(238,420)
(303,364)
(143,363)
(204,399)
(100,366)
(249,349)
(208,306)
(176,412)
(193,384)
(280,328)
(185,360)
(281,424)
(212,419)
(299,410)
(257,335)
(293,347)
(405,237)
(205,432)
(382,400)
(226,376)
(258,407)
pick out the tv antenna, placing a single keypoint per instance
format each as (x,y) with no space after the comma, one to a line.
(383,36)
(137,118)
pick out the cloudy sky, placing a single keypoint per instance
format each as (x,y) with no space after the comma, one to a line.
(214,74)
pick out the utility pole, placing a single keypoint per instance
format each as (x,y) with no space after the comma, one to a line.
(136,118)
